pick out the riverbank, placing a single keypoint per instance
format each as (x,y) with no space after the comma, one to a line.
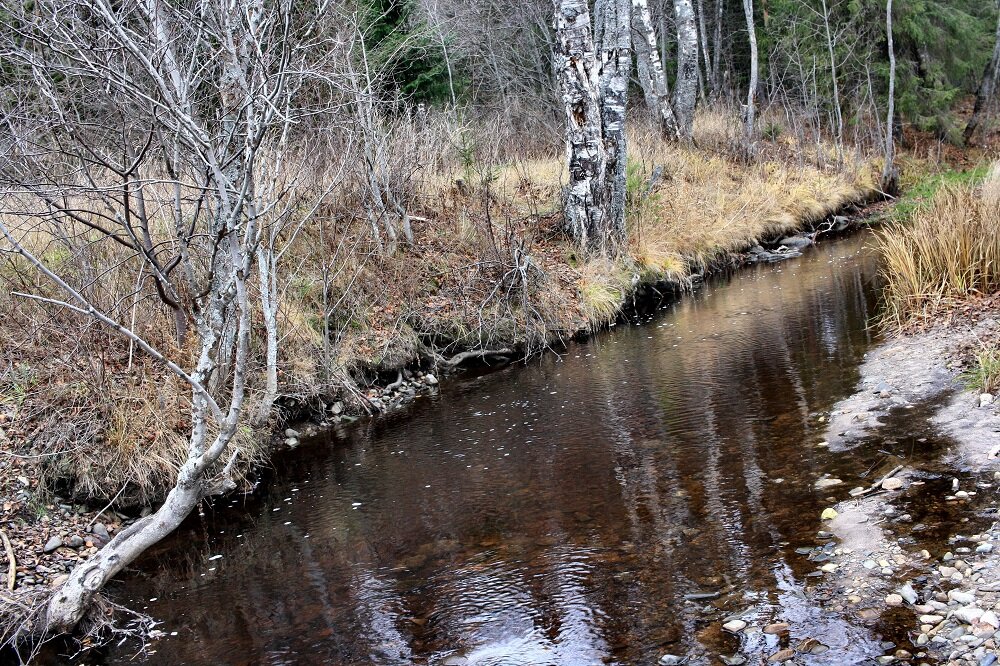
(85,455)
(53,504)
(934,371)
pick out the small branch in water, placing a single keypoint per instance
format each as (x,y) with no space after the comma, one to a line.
(875,486)
(457,359)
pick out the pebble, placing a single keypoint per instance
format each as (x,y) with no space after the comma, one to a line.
(968,614)
(53,543)
(985,399)
(930,619)
(101,531)
(908,594)
(959,597)
(894,600)
(776,628)
(781,656)
(670,660)
(735,626)
(430,379)
(892,484)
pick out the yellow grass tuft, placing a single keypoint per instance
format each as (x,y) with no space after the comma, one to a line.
(949,251)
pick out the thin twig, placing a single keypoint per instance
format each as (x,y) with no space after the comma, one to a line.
(11,561)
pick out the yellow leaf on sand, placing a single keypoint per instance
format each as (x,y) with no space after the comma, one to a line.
(828,514)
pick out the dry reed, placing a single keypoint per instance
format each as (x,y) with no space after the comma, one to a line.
(949,251)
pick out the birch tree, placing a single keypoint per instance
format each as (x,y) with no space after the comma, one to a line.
(594,90)
(750,112)
(615,56)
(652,78)
(201,93)
(890,176)
(686,88)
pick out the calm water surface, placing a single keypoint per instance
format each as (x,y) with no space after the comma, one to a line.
(556,513)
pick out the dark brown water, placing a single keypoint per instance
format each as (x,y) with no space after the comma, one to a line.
(557,513)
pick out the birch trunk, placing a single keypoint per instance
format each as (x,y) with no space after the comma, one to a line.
(594,87)
(750,116)
(616,68)
(686,89)
(652,78)
(703,39)
(577,67)
(267,270)
(837,112)
(717,55)
(987,88)
(890,177)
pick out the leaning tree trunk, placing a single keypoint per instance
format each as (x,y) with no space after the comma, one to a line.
(686,90)
(987,88)
(890,176)
(229,293)
(750,115)
(652,78)
(576,64)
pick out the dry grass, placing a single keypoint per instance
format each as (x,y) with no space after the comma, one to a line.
(949,251)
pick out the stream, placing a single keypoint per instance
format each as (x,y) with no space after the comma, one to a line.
(609,504)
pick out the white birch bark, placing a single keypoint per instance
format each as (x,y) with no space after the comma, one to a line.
(616,67)
(717,54)
(750,113)
(890,177)
(837,111)
(594,86)
(652,78)
(686,88)
(577,68)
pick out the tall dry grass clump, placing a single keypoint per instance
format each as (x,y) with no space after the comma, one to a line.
(947,252)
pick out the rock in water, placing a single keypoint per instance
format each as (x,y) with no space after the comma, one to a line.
(796,242)
(670,660)
(735,626)
(892,484)
(781,656)
(430,379)
(776,628)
